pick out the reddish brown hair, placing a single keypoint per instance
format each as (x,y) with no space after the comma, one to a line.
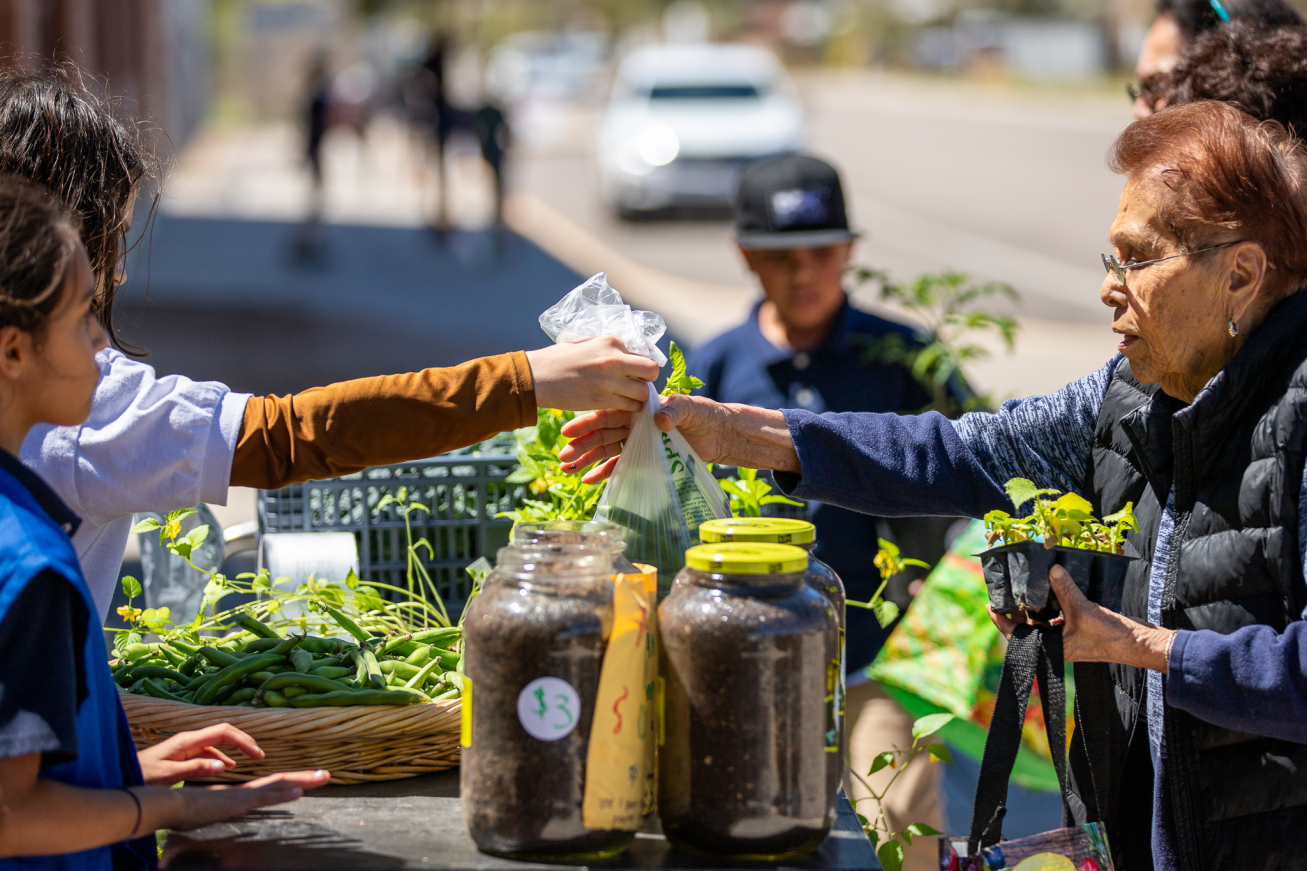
(1234,177)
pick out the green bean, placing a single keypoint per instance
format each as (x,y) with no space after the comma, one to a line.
(332,672)
(185,646)
(371,668)
(138,651)
(233,673)
(419,657)
(295,679)
(399,667)
(341,698)
(416,681)
(447,694)
(392,644)
(190,666)
(324,661)
(220,658)
(349,626)
(287,645)
(322,646)
(292,692)
(160,672)
(124,678)
(260,676)
(174,658)
(448,658)
(244,694)
(255,627)
(262,645)
(273,700)
(302,660)
(433,636)
(156,688)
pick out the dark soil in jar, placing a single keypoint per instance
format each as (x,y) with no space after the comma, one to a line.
(744,767)
(522,796)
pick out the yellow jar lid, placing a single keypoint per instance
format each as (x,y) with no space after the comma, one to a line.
(747,558)
(777,530)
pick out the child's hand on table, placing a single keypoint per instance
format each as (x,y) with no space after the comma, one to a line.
(195,755)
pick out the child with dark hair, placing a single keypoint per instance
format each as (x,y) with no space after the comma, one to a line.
(73,790)
(157,443)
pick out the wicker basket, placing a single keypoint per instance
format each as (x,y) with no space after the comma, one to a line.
(356,744)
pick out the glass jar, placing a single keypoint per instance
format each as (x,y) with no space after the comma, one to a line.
(534,644)
(747,648)
(819,576)
(587,533)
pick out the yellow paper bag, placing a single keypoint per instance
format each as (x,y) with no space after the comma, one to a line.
(619,768)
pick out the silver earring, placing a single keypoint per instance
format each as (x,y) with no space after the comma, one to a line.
(1233,329)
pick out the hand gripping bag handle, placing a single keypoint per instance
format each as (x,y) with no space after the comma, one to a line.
(1032,650)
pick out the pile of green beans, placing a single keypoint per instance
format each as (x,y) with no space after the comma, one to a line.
(258,667)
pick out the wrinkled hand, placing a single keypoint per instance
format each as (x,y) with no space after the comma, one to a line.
(195,755)
(1091,633)
(196,807)
(598,437)
(591,373)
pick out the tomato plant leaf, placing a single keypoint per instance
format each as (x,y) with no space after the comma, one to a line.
(929,725)
(891,855)
(940,753)
(881,761)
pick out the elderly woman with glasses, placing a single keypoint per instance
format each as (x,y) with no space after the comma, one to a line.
(1200,758)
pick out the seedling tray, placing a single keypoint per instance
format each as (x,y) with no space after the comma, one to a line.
(1017,577)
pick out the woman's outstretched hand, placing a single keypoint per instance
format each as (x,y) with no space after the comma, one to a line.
(712,428)
(591,373)
(1091,633)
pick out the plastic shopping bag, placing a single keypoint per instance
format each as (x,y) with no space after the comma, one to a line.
(660,491)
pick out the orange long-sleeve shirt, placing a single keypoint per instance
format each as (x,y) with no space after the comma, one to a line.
(346,427)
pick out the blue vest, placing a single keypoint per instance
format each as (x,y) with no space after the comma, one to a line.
(30,543)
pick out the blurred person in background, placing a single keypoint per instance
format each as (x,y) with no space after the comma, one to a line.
(317,117)
(805,346)
(427,97)
(1263,72)
(1180,22)
(495,138)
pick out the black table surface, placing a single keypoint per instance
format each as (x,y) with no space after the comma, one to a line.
(418,823)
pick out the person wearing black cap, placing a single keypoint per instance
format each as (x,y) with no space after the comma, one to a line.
(804,346)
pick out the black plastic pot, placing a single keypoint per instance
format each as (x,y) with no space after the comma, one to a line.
(1017,577)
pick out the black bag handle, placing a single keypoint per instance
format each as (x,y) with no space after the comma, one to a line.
(1032,650)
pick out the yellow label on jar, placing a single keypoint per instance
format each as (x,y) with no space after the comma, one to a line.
(465,729)
(619,761)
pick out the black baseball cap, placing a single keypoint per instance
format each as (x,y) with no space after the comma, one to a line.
(794,201)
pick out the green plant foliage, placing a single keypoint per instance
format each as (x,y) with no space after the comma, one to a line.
(566,497)
(679,382)
(1067,520)
(944,305)
(748,494)
(887,842)
(889,561)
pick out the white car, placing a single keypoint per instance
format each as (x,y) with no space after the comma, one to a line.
(684,119)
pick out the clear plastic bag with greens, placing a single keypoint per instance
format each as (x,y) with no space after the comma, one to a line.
(660,491)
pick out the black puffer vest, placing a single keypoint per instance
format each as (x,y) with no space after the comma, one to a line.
(1235,459)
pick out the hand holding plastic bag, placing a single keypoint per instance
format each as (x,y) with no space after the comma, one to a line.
(660,491)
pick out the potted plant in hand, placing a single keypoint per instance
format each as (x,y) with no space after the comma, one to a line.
(1060,530)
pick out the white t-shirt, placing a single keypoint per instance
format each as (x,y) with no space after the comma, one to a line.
(150,444)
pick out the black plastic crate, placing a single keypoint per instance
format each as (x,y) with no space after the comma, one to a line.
(464,494)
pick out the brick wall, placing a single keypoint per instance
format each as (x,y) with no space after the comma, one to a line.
(151,53)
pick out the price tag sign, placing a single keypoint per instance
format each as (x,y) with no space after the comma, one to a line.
(548,708)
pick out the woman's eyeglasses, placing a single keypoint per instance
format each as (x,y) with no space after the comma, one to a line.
(1145,89)
(1119,269)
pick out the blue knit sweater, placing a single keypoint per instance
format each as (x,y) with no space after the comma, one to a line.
(1253,680)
